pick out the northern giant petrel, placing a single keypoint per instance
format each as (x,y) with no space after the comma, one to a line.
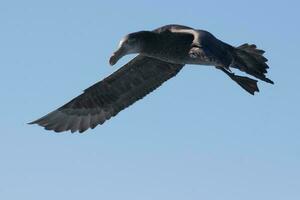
(162,54)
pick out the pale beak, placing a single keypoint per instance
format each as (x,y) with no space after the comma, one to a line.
(117,55)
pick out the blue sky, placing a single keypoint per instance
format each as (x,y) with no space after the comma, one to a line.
(199,136)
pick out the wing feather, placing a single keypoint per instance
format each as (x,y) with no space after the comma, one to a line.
(108,97)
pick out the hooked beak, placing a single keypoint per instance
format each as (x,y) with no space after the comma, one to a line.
(116,56)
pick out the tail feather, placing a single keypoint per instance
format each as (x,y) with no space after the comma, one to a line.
(252,48)
(251,60)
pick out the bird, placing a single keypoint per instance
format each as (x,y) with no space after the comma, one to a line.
(162,53)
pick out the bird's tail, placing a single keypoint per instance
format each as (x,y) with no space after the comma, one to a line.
(249,59)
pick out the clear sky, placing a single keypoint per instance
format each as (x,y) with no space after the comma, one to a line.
(199,136)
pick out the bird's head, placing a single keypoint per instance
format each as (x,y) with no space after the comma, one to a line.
(130,44)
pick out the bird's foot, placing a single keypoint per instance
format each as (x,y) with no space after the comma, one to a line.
(227,68)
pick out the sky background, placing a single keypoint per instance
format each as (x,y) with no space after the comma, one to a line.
(199,136)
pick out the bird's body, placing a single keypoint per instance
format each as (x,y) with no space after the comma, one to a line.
(162,54)
(170,46)
(175,47)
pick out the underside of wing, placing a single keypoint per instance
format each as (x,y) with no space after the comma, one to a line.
(108,97)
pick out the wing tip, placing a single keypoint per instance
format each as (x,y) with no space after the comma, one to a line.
(59,121)
(31,123)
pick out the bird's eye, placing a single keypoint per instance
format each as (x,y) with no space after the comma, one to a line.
(131,40)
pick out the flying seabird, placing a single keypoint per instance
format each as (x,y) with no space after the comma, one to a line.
(162,53)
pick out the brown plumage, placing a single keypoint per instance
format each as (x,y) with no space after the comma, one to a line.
(162,54)
(108,97)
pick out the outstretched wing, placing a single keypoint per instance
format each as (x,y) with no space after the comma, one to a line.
(108,97)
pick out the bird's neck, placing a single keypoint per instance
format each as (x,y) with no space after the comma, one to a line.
(152,44)
(166,46)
